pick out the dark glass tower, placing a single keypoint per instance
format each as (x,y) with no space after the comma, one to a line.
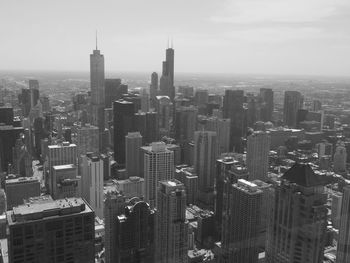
(233,110)
(123,122)
(136,233)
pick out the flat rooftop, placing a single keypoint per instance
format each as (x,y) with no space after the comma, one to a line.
(20,180)
(64,167)
(46,209)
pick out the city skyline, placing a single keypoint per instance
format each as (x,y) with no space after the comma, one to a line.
(237,37)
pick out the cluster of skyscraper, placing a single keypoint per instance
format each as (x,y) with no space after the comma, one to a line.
(163,176)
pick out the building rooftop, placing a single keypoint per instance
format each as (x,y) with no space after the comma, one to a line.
(20,180)
(64,167)
(64,144)
(46,209)
(302,174)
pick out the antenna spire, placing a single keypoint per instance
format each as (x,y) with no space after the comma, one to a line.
(172,43)
(96,39)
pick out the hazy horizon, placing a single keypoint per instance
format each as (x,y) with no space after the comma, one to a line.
(249,37)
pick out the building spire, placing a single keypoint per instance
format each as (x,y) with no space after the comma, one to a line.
(172,43)
(168,42)
(96,39)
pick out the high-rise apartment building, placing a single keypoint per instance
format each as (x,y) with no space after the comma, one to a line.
(92,182)
(136,233)
(158,166)
(123,122)
(241,220)
(258,148)
(44,230)
(133,144)
(343,246)
(172,226)
(297,224)
(293,101)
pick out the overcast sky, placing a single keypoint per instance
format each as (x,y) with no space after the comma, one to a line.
(227,36)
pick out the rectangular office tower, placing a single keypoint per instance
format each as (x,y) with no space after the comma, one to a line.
(92,182)
(60,154)
(233,109)
(136,233)
(293,101)
(241,220)
(172,226)
(296,230)
(205,154)
(44,230)
(158,166)
(123,122)
(266,95)
(133,144)
(258,148)
(343,249)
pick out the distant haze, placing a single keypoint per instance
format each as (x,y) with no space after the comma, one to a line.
(299,37)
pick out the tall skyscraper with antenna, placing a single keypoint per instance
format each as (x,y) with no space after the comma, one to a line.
(97,84)
(167,79)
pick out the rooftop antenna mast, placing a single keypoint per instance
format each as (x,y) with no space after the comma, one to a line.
(96,39)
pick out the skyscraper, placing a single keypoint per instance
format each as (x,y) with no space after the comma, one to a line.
(152,127)
(186,120)
(65,178)
(298,218)
(133,143)
(241,220)
(87,139)
(114,90)
(222,128)
(153,88)
(97,83)
(60,154)
(205,154)
(167,79)
(343,249)
(266,95)
(339,160)
(258,148)
(114,205)
(44,230)
(92,182)
(223,176)
(233,110)
(293,101)
(158,166)
(34,92)
(136,233)
(123,122)
(172,226)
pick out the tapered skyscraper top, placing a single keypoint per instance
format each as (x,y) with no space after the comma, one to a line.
(97,76)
